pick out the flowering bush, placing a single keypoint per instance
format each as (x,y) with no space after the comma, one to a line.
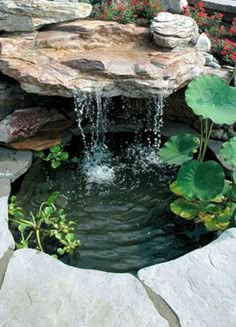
(227,49)
(127,13)
(222,47)
(210,24)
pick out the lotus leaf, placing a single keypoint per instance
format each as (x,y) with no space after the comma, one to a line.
(201,180)
(220,222)
(184,208)
(179,149)
(228,151)
(210,97)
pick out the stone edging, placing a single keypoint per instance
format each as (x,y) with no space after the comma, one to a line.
(198,289)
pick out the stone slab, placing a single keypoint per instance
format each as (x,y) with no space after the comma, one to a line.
(228,6)
(200,287)
(41,291)
(21,15)
(6,240)
(13,164)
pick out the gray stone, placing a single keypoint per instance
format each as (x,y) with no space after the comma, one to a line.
(41,291)
(13,164)
(200,287)
(6,240)
(172,30)
(211,61)
(203,43)
(21,15)
(175,6)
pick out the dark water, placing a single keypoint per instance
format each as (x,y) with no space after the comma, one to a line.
(124,224)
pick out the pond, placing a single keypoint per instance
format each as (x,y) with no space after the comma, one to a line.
(120,204)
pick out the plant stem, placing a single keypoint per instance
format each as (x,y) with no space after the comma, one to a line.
(232,76)
(39,240)
(208,131)
(201,139)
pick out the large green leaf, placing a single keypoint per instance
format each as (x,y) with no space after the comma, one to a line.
(228,151)
(179,149)
(210,97)
(201,180)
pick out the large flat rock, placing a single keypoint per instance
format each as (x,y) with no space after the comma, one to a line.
(41,291)
(14,163)
(21,15)
(200,287)
(96,56)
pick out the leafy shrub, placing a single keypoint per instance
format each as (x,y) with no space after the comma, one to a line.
(222,46)
(125,14)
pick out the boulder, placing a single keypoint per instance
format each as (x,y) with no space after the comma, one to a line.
(203,43)
(200,287)
(172,30)
(13,164)
(24,123)
(96,56)
(30,15)
(53,294)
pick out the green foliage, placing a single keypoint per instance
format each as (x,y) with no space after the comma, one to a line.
(47,230)
(202,192)
(179,149)
(127,13)
(202,180)
(211,98)
(228,152)
(55,156)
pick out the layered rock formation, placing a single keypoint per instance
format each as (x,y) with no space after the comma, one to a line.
(96,56)
(30,15)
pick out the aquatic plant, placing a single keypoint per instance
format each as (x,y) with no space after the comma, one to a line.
(46,230)
(202,190)
(55,155)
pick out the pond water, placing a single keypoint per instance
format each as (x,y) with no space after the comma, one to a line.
(120,207)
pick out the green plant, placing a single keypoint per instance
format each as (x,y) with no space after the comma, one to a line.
(55,156)
(125,14)
(202,191)
(47,230)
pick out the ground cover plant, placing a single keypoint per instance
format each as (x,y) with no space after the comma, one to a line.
(202,191)
(223,37)
(48,229)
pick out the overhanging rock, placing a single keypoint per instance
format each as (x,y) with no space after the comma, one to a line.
(96,56)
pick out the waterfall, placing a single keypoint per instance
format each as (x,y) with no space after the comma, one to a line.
(98,164)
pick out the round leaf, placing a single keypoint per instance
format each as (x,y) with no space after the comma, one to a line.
(228,151)
(184,209)
(202,180)
(179,149)
(210,97)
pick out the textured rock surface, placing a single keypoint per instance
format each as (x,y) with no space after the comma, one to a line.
(13,164)
(203,43)
(21,15)
(98,56)
(24,123)
(171,31)
(71,297)
(6,240)
(200,287)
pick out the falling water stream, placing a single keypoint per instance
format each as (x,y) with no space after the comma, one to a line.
(118,195)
